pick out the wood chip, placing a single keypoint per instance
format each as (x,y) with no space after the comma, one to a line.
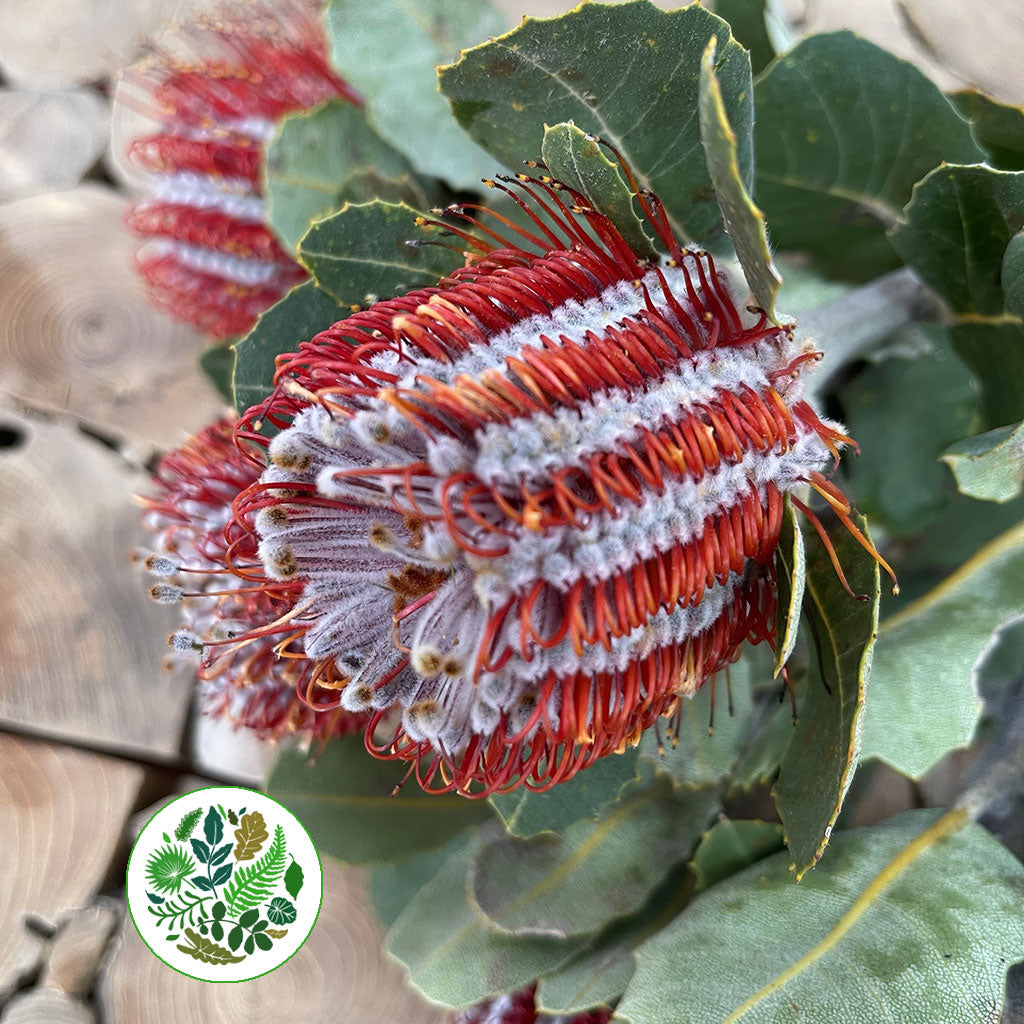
(62,815)
(81,644)
(340,974)
(77,333)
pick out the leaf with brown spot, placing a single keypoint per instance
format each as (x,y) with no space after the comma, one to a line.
(251,835)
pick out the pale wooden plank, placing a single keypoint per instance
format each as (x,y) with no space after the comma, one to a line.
(62,815)
(81,644)
(340,974)
(77,333)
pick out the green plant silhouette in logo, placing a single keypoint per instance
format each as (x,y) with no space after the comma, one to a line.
(224,888)
(167,868)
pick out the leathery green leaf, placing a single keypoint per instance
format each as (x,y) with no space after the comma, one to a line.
(308,161)
(218,363)
(526,813)
(627,72)
(303,312)
(955,231)
(1012,276)
(388,49)
(822,756)
(345,800)
(363,253)
(744,222)
(731,845)
(843,128)
(749,20)
(999,127)
(574,882)
(989,466)
(576,159)
(924,702)
(455,955)
(791,565)
(912,920)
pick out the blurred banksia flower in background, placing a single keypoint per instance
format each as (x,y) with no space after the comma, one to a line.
(210,258)
(519,1008)
(536,505)
(241,677)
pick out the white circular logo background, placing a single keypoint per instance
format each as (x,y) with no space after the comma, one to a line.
(224,884)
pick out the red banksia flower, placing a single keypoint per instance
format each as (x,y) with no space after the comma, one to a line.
(536,505)
(224,617)
(211,260)
(519,1008)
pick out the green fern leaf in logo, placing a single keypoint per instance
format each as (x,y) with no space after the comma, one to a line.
(167,868)
(254,883)
(188,824)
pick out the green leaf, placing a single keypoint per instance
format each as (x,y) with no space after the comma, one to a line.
(207,951)
(911,921)
(293,879)
(599,974)
(546,885)
(1012,275)
(904,413)
(731,845)
(216,931)
(388,50)
(281,911)
(995,354)
(188,823)
(254,882)
(744,222)
(168,867)
(923,702)
(697,755)
(955,230)
(263,940)
(392,886)
(249,918)
(218,910)
(235,937)
(526,813)
(822,756)
(844,130)
(307,163)
(627,72)
(362,253)
(455,955)
(222,874)
(577,160)
(749,20)
(250,945)
(213,828)
(997,126)
(989,466)
(345,800)
(791,566)
(303,312)
(218,363)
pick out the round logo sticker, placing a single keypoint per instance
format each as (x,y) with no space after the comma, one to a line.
(224,884)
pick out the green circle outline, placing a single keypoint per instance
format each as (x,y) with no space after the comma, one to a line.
(222,981)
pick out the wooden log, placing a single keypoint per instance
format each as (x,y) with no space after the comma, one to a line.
(73,959)
(81,644)
(48,140)
(62,815)
(77,333)
(340,974)
(46,1006)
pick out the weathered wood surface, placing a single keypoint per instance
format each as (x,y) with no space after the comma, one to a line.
(340,974)
(80,643)
(77,334)
(48,140)
(62,815)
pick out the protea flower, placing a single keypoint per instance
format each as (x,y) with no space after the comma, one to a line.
(519,1008)
(212,261)
(233,627)
(536,505)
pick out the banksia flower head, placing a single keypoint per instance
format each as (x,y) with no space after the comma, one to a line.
(225,617)
(536,505)
(211,259)
(519,1008)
